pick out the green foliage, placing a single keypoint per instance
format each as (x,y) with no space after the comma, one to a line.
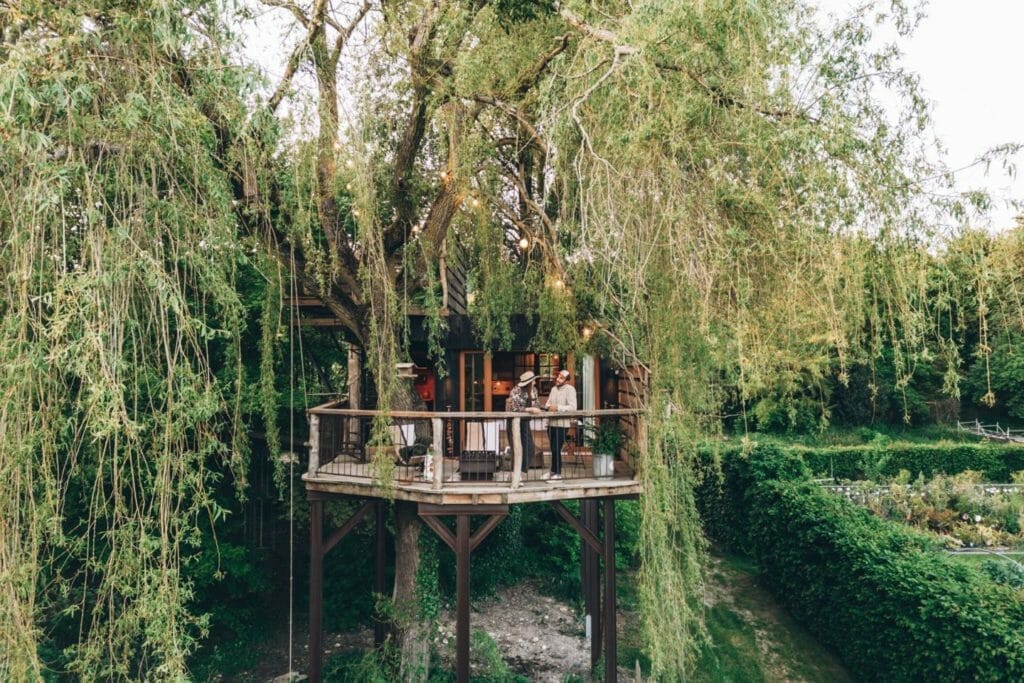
(1010,573)
(886,458)
(874,592)
(120,307)
(605,438)
(375,666)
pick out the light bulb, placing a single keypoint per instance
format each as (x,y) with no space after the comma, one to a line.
(524,243)
(475,202)
(587,331)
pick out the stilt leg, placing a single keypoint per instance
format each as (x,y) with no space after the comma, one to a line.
(591,579)
(462,598)
(378,581)
(316,589)
(610,654)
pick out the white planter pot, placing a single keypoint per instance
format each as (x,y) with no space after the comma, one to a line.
(604,465)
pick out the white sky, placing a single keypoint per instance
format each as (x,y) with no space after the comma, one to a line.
(968,55)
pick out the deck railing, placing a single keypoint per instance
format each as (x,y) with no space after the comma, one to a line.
(438,449)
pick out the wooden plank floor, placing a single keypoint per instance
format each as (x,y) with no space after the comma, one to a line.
(347,476)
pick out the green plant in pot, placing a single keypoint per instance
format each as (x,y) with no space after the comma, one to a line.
(605,442)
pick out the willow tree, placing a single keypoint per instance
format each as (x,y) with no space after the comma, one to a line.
(118,253)
(715,185)
(712,184)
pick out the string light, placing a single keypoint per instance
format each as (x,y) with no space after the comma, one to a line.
(470,298)
(349,163)
(355,212)
(348,186)
(559,284)
(475,202)
(524,243)
(587,331)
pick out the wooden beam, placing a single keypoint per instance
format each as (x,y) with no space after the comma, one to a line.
(585,533)
(347,527)
(428,510)
(485,529)
(319,322)
(316,589)
(462,552)
(304,301)
(611,668)
(379,584)
(443,532)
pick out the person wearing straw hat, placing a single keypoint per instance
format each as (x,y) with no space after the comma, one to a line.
(523,399)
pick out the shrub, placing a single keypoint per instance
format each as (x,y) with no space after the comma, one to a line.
(874,592)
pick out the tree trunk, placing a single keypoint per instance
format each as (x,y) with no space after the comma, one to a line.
(412,630)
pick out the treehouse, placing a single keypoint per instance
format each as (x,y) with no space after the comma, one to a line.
(462,454)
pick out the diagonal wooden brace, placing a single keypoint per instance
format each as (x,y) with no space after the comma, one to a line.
(585,533)
(347,527)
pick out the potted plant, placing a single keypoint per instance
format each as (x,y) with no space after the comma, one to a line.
(605,442)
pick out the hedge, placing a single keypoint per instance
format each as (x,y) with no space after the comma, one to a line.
(874,592)
(996,462)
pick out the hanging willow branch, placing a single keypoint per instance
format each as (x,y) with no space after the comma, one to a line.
(119,256)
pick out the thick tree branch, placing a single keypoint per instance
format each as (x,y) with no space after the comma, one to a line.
(314,26)
(518,116)
(296,11)
(345,32)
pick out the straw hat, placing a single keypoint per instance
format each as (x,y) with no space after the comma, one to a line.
(526,378)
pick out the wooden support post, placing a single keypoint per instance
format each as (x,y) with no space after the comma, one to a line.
(590,572)
(438,467)
(314,445)
(517,452)
(463,543)
(462,598)
(610,650)
(316,589)
(379,586)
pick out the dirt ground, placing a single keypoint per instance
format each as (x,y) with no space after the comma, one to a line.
(538,636)
(542,638)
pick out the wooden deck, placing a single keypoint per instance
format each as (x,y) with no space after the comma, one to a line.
(531,489)
(338,463)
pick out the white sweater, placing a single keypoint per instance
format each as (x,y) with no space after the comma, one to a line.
(560,399)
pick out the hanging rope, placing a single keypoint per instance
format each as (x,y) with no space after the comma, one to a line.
(296,332)
(291,464)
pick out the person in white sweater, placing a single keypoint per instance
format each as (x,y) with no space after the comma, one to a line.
(561,399)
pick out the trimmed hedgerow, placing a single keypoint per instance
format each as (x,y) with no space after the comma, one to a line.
(874,592)
(996,462)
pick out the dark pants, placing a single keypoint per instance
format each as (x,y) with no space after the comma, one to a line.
(526,438)
(557,437)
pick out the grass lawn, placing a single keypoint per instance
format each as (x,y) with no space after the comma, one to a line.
(752,637)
